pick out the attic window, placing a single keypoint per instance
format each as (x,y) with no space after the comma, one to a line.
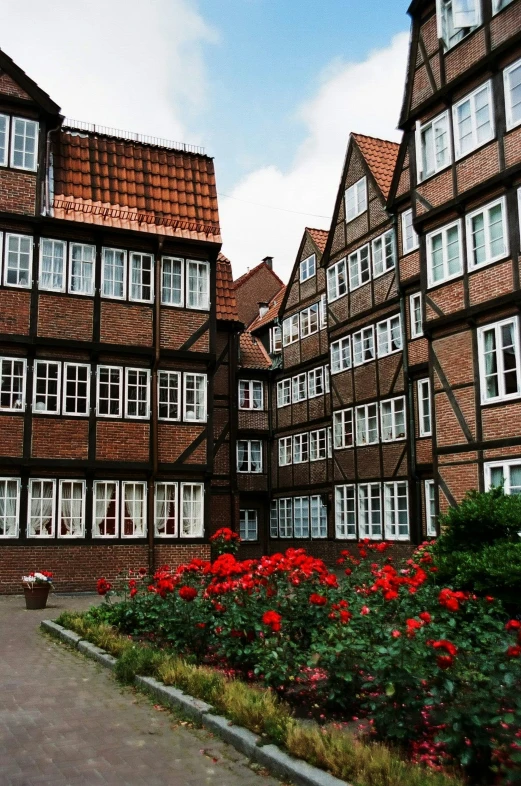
(24,144)
(308,268)
(457,19)
(356,199)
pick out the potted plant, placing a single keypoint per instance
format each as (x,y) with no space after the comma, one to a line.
(36,589)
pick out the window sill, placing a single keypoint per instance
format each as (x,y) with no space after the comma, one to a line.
(476,268)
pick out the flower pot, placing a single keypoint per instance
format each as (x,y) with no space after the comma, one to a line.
(36,597)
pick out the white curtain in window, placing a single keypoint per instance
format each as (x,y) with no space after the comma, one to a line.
(41,508)
(242,456)
(8,508)
(192,510)
(105,495)
(134,510)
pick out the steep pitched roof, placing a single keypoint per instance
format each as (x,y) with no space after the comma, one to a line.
(380,156)
(245,276)
(252,353)
(27,84)
(121,182)
(271,313)
(319,237)
(226,302)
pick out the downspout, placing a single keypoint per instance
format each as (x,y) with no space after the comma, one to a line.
(46,187)
(154,440)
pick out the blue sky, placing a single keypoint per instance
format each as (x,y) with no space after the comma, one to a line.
(271,89)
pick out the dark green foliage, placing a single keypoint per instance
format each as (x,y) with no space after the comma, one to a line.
(480,519)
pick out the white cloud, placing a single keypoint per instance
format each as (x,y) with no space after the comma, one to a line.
(126,64)
(361,97)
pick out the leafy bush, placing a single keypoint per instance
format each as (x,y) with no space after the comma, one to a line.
(480,519)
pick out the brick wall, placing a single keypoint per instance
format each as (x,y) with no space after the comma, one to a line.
(18,192)
(65,316)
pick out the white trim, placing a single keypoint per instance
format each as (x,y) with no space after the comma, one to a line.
(296,388)
(430,519)
(303,450)
(167,485)
(143,533)
(63,244)
(206,265)
(251,516)
(395,435)
(360,199)
(285,448)
(70,290)
(319,438)
(359,340)
(458,152)
(306,262)
(81,534)
(306,320)
(443,231)
(499,5)
(341,512)
(23,379)
(39,362)
(333,280)
(113,282)
(8,236)
(16,531)
(250,383)
(434,122)
(511,122)
(503,464)
(385,328)
(139,386)
(283,384)
(383,239)
(340,417)
(485,210)
(182,281)
(5,159)
(289,334)
(406,249)
(362,411)
(199,379)
(142,255)
(169,373)
(119,369)
(496,327)
(371,509)
(422,400)
(391,509)
(66,366)
(249,443)
(354,264)
(199,530)
(26,121)
(412,308)
(117,527)
(52,534)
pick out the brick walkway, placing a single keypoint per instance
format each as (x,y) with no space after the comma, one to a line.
(65,722)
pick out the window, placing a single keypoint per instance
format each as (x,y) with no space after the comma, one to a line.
(356,199)
(330,442)
(456,19)
(487,234)
(249,455)
(301,517)
(308,268)
(512,80)
(285,451)
(433,147)
(370,510)
(345,512)
(498,5)
(18,260)
(396,511)
(336,281)
(275,340)
(323,311)
(248,525)
(195,397)
(46,391)
(76,389)
(169,403)
(363,346)
(110,392)
(316,382)
(9,507)
(359,272)
(274,519)
(473,120)
(172,281)
(285,518)
(192,510)
(409,237)
(318,517)
(52,265)
(112,519)
(299,388)
(4,132)
(340,355)
(424,407)
(309,321)
(113,273)
(250,394)
(444,254)
(41,509)
(165,524)
(393,419)
(415,315)
(141,277)
(198,285)
(71,509)
(137,386)
(133,508)
(81,269)
(367,424)
(504,473)
(300,448)
(499,366)
(327,381)
(283,393)
(290,330)
(318,445)
(12,384)
(24,144)
(343,429)
(105,509)
(383,253)
(430,508)
(389,336)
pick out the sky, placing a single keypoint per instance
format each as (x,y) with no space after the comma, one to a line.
(270,88)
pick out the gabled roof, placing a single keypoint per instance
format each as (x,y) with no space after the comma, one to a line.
(252,353)
(319,237)
(246,276)
(27,84)
(271,313)
(121,182)
(380,156)
(225,299)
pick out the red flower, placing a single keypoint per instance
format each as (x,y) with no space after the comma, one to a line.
(317,600)
(142,571)
(443,644)
(451,599)
(513,625)
(272,619)
(365,610)
(396,634)
(133,592)
(201,625)
(412,626)
(330,580)
(345,616)
(425,616)
(514,652)
(226,534)
(103,586)
(444,661)
(187,593)
(348,571)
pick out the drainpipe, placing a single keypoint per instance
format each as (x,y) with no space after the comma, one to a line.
(154,441)
(46,186)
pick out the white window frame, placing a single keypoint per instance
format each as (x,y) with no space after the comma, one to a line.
(309,318)
(290,330)
(440,125)
(84,264)
(370,521)
(247,518)
(424,407)
(141,373)
(164,379)
(341,421)
(410,239)
(386,334)
(363,341)
(81,531)
(318,517)
(392,510)
(196,528)
(119,371)
(499,5)
(443,21)
(334,281)
(358,267)
(285,511)
(142,531)
(316,382)
(363,414)
(201,301)
(447,276)
(250,385)
(170,289)
(5,120)
(505,466)
(338,351)
(299,388)
(318,445)
(18,252)
(308,268)
(30,529)
(394,406)
(471,97)
(485,212)
(11,376)
(45,410)
(285,451)
(98,484)
(274,519)
(512,122)
(275,340)
(112,281)
(54,244)
(249,459)
(380,246)
(301,448)
(201,385)
(301,517)
(414,299)
(284,393)
(26,122)
(322,310)
(430,514)
(6,532)
(65,410)
(160,523)
(496,327)
(140,258)
(346,505)
(358,194)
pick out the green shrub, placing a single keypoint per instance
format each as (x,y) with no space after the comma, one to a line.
(494,570)
(480,519)
(137,660)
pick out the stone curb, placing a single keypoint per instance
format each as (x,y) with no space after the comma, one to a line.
(277,761)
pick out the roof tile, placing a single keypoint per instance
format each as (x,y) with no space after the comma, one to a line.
(226,302)
(381,156)
(271,313)
(319,237)
(252,353)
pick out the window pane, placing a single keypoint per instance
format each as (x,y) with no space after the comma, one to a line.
(113,273)
(9,507)
(192,510)
(198,284)
(133,510)
(172,281)
(106,512)
(24,144)
(82,269)
(76,389)
(12,384)
(41,509)
(109,390)
(141,272)
(166,509)
(72,509)
(18,260)
(169,395)
(52,264)
(137,385)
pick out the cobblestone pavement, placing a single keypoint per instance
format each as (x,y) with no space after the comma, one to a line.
(64,721)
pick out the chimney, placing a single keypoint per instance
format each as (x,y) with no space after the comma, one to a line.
(269,262)
(263,307)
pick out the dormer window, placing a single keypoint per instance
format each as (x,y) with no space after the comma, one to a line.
(457,19)
(308,268)
(356,199)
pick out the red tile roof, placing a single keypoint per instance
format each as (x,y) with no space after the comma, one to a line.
(319,237)
(271,313)
(226,302)
(245,276)
(120,182)
(381,156)
(252,353)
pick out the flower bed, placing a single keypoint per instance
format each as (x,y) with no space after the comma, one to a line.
(432,670)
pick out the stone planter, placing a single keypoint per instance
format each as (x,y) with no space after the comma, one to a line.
(36,597)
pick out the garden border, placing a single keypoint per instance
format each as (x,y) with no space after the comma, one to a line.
(277,761)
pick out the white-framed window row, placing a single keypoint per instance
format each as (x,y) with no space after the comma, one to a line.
(410,240)
(372,510)
(389,336)
(178,510)
(249,456)
(304,323)
(299,517)
(302,448)
(185,283)
(424,407)
(499,361)
(473,120)
(370,423)
(122,392)
(430,508)
(384,253)
(251,394)
(19,142)
(182,396)
(416,315)
(457,19)
(444,254)
(356,199)
(301,387)
(308,268)
(505,474)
